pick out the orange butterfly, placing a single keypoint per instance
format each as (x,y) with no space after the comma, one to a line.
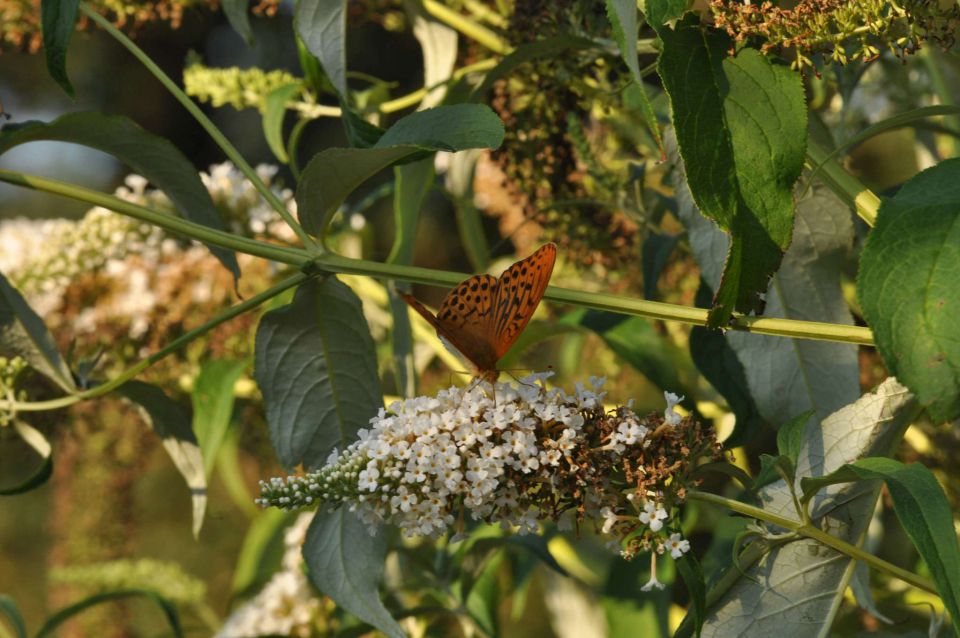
(483,316)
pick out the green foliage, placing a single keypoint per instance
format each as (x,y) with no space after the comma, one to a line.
(168,609)
(346,563)
(236,12)
(153,157)
(334,173)
(23,334)
(275,108)
(741,129)
(322,27)
(921,508)
(8,607)
(316,367)
(59,20)
(213,406)
(908,287)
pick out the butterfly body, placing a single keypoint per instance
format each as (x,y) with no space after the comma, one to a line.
(483,316)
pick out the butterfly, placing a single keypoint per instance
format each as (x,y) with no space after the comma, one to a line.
(483,316)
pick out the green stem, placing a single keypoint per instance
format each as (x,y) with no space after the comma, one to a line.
(817,534)
(172,223)
(211,129)
(466,26)
(170,348)
(334,263)
(845,185)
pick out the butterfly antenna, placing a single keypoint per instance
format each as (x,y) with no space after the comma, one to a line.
(509,238)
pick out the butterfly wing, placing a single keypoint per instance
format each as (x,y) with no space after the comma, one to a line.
(518,293)
(463,319)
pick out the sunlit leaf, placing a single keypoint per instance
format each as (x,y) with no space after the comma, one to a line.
(909,286)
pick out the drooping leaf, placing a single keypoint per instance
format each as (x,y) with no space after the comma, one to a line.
(909,287)
(58,19)
(275,108)
(322,26)
(346,563)
(36,440)
(317,369)
(657,249)
(334,173)
(741,129)
(439,45)
(8,607)
(167,607)
(789,376)
(923,511)
(171,423)
(23,334)
(236,12)
(623,19)
(153,157)
(213,405)
(779,603)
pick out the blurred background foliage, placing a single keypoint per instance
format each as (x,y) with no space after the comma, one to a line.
(578,166)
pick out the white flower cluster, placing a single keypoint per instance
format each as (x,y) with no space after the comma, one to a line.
(287,605)
(242,204)
(517,456)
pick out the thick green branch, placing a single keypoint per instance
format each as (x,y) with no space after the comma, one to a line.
(846,186)
(229,150)
(818,535)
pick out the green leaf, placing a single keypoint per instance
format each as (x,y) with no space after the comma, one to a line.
(275,108)
(32,437)
(168,608)
(483,596)
(623,19)
(8,607)
(23,334)
(346,563)
(741,129)
(780,603)
(657,249)
(317,369)
(459,185)
(153,157)
(334,173)
(789,376)
(58,20)
(236,11)
(439,45)
(692,576)
(790,435)
(909,287)
(923,510)
(172,424)
(322,26)
(663,12)
(261,552)
(213,405)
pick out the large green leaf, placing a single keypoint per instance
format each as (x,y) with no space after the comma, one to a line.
(317,369)
(322,26)
(923,510)
(213,405)
(58,19)
(772,599)
(663,12)
(741,129)
(152,156)
(23,334)
(334,173)
(345,562)
(909,287)
(236,11)
(172,424)
(789,376)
